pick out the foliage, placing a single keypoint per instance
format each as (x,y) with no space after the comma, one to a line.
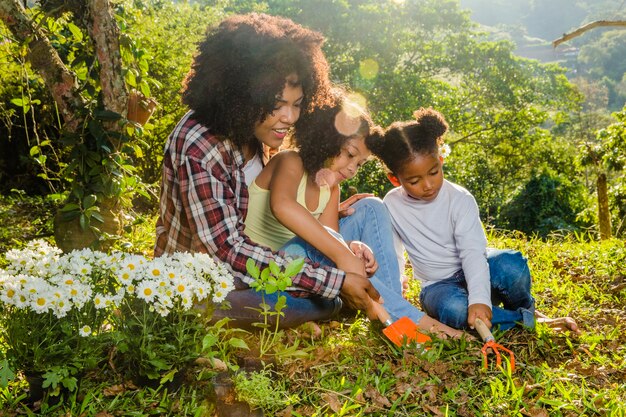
(260,391)
(545,204)
(23,218)
(351,370)
(52,325)
(158,330)
(165,33)
(61,313)
(269,281)
(370,178)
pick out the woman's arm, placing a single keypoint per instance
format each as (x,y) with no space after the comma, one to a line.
(285,207)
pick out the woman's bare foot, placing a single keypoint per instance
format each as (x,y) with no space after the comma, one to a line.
(559,324)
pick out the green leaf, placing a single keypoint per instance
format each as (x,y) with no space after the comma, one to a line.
(294,267)
(71,383)
(274,268)
(265,274)
(6,373)
(70,207)
(271,288)
(83,222)
(238,343)
(252,268)
(18,102)
(169,377)
(280,303)
(209,341)
(96,215)
(89,201)
(78,35)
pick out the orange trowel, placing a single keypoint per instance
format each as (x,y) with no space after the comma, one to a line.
(401,331)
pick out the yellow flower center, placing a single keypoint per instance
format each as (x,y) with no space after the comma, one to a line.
(41,301)
(180,288)
(156,272)
(10,293)
(147,291)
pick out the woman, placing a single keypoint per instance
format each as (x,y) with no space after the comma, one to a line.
(252,78)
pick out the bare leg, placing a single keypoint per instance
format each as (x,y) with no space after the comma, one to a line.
(559,324)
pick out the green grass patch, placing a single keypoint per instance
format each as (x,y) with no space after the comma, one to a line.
(352,370)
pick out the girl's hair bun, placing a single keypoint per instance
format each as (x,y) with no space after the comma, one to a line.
(431,123)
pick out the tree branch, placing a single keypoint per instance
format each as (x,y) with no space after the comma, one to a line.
(585,28)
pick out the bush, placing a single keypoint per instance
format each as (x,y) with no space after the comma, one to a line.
(545,204)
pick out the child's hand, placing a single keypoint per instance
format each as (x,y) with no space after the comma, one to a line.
(404,281)
(480,311)
(345,207)
(362,251)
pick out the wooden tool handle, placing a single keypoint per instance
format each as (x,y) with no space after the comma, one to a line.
(382,314)
(483,330)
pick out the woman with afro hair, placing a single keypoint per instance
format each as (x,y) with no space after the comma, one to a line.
(252,78)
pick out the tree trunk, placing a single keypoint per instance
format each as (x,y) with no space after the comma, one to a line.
(105,35)
(604,215)
(63,86)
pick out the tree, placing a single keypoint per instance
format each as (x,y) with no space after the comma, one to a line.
(90,112)
(405,55)
(612,151)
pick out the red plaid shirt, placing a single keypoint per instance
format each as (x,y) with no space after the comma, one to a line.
(204,201)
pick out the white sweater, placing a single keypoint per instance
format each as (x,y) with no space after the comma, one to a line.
(441,237)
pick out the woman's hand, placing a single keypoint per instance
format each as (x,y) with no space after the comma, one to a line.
(345,207)
(363,252)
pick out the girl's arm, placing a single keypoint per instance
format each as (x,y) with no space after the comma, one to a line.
(330,216)
(283,193)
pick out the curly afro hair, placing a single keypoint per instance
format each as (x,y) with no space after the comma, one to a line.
(321,134)
(242,65)
(402,140)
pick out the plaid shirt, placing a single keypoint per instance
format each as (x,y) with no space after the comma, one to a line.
(204,201)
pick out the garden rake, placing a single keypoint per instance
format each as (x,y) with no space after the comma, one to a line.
(490,343)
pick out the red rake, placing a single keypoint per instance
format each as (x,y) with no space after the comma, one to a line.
(490,343)
(402,331)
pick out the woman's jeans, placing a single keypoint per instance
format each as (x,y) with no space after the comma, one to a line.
(446,300)
(370,224)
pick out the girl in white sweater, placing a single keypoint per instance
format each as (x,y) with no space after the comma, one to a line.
(438,224)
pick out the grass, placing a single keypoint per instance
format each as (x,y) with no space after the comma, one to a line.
(351,370)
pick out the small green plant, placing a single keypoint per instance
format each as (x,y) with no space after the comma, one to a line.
(221,340)
(268,281)
(260,391)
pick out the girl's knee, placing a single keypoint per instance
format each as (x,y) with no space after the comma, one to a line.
(372,206)
(452,311)
(511,263)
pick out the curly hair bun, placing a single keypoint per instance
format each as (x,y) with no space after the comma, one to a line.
(375,141)
(430,122)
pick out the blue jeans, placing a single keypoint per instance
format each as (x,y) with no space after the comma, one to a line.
(370,224)
(244,305)
(446,300)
